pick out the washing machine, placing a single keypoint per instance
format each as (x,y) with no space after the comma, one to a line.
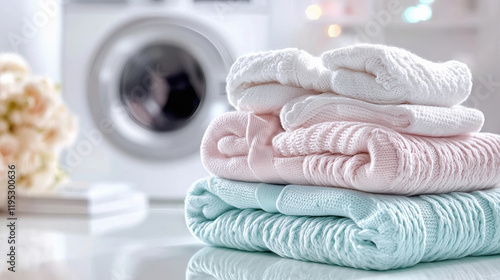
(145,78)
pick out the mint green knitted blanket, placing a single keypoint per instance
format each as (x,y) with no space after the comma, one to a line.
(344,227)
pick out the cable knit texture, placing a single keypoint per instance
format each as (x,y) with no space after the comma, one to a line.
(406,76)
(367,157)
(308,110)
(228,264)
(345,227)
(373,73)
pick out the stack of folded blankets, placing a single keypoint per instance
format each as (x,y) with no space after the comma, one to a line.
(362,157)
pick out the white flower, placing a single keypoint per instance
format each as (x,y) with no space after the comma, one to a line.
(28,161)
(40,97)
(34,126)
(29,138)
(11,62)
(8,85)
(42,180)
(8,146)
(4,126)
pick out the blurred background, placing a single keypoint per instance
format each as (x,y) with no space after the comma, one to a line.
(145,77)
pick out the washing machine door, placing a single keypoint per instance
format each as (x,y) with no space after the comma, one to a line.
(156,83)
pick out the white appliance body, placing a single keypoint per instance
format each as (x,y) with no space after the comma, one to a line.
(126,71)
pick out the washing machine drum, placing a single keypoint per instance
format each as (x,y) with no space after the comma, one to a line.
(156,83)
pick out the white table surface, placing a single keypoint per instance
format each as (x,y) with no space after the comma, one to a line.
(157,245)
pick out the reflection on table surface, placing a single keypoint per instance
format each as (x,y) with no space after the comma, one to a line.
(195,262)
(220,263)
(157,245)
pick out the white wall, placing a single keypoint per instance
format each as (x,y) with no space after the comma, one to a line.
(32,29)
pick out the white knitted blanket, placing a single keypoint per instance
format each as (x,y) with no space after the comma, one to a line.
(309,110)
(373,73)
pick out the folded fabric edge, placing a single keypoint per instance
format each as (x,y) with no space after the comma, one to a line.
(404,118)
(391,70)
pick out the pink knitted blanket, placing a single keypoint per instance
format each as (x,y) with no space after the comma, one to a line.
(366,157)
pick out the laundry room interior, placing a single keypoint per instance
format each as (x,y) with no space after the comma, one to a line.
(233,139)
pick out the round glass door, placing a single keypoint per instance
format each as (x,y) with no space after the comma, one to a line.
(162,87)
(159,81)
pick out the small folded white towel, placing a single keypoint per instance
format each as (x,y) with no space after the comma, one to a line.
(306,111)
(373,73)
(404,76)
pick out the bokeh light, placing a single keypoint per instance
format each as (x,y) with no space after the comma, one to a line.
(418,13)
(313,12)
(334,30)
